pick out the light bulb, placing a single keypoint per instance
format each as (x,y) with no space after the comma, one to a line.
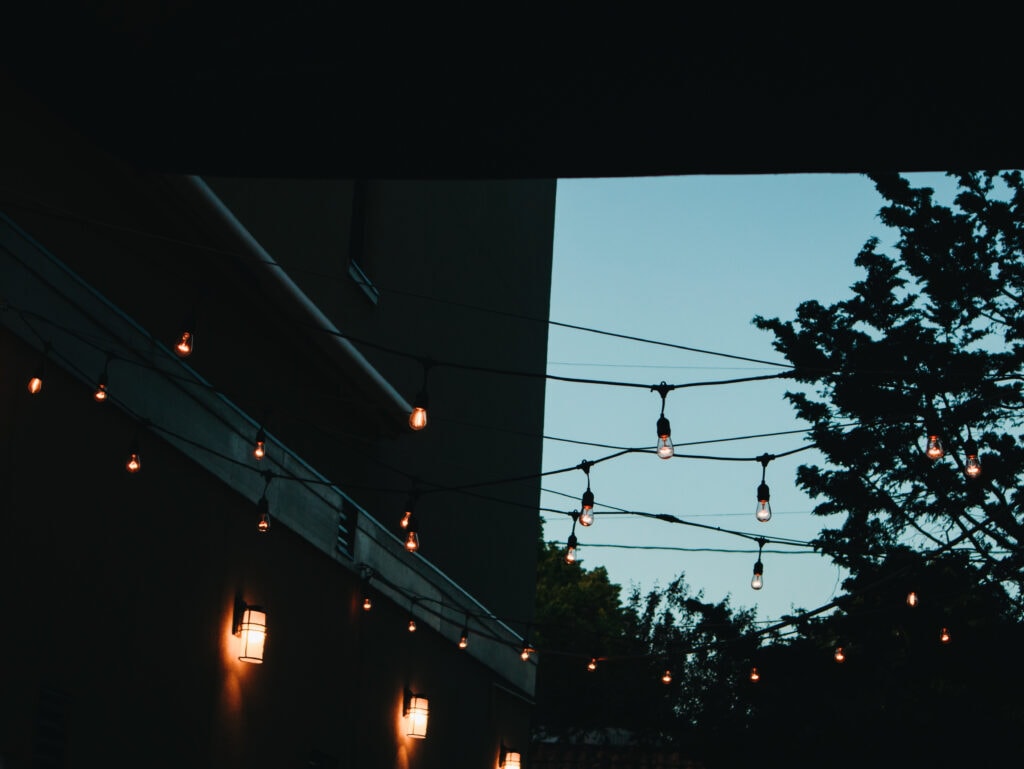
(586,517)
(185,344)
(412,626)
(666,677)
(134,463)
(754,675)
(758,580)
(100,394)
(592,665)
(367,603)
(665,450)
(911,599)
(934,449)
(972,467)
(35,385)
(839,656)
(412,542)
(464,639)
(944,636)
(570,552)
(528,649)
(418,415)
(404,523)
(764,508)
(260,449)
(263,524)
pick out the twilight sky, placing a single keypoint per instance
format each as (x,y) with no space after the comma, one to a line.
(691,260)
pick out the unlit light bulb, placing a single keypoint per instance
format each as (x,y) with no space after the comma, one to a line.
(134,463)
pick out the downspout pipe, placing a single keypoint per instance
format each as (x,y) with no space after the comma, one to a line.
(278,279)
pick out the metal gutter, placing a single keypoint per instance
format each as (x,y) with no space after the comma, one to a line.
(279,281)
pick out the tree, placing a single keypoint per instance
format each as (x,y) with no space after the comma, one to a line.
(704,646)
(930,343)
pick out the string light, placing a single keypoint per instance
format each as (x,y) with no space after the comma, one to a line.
(944,636)
(412,536)
(757,582)
(839,656)
(911,599)
(666,677)
(35,384)
(410,505)
(764,508)
(934,449)
(592,665)
(134,463)
(754,675)
(412,625)
(100,394)
(587,502)
(570,551)
(664,429)
(367,603)
(972,467)
(528,649)
(185,344)
(260,448)
(263,521)
(418,415)
(464,638)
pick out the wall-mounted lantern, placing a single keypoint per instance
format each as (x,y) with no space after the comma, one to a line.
(250,624)
(509,759)
(416,711)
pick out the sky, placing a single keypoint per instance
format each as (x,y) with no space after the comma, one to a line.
(692,260)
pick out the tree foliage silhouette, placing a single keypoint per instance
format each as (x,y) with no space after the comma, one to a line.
(931,342)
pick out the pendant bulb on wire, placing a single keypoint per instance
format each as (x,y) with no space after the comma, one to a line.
(185,342)
(665,449)
(586,516)
(35,383)
(263,521)
(134,462)
(418,415)
(412,536)
(259,449)
(410,507)
(570,551)
(972,465)
(763,512)
(757,581)
(934,449)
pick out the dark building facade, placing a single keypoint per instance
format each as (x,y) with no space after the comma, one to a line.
(319,311)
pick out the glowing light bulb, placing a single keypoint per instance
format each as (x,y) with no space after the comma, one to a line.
(100,395)
(972,467)
(758,580)
(944,636)
(367,603)
(665,449)
(412,542)
(35,385)
(754,675)
(404,523)
(464,639)
(839,656)
(418,415)
(263,524)
(911,599)
(570,553)
(260,449)
(934,448)
(587,508)
(592,665)
(528,649)
(185,344)
(412,626)
(666,677)
(134,463)
(764,508)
